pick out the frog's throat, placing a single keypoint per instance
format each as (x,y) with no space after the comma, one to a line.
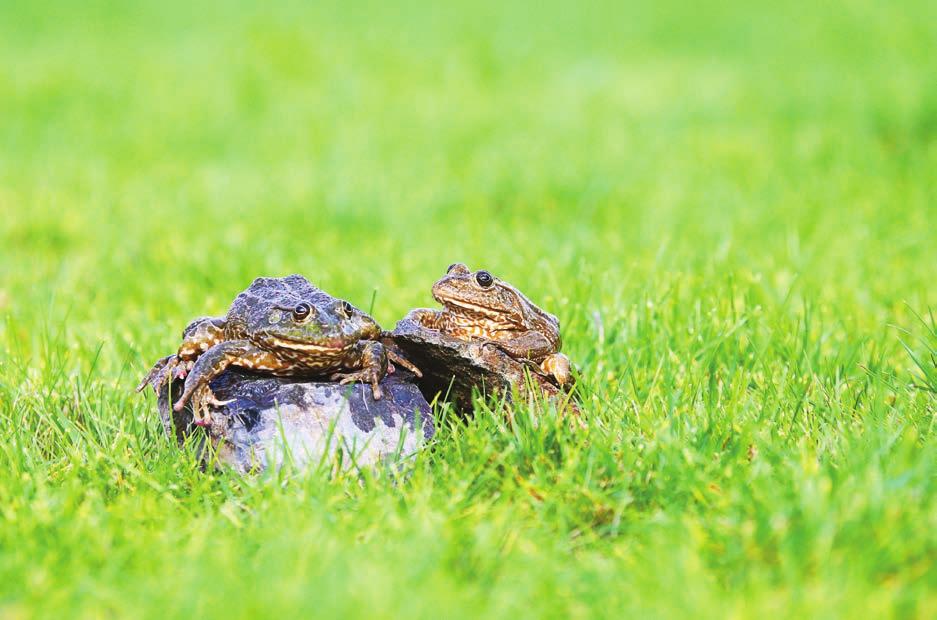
(309,346)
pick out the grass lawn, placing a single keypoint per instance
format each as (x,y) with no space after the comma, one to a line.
(730,206)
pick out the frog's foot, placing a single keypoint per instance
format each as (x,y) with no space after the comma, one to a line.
(160,373)
(201,401)
(558,367)
(365,375)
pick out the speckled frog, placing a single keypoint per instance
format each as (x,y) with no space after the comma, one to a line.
(478,306)
(280,326)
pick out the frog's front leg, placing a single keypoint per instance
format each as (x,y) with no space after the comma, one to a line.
(370,358)
(433,319)
(208,366)
(535,346)
(531,346)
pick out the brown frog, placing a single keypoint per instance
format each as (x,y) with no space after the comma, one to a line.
(280,326)
(478,306)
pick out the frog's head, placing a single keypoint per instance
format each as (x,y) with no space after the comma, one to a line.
(481,295)
(296,316)
(316,327)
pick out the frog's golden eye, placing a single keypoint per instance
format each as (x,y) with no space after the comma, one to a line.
(484,279)
(346,308)
(449,268)
(302,311)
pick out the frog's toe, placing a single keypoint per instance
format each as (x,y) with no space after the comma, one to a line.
(214,402)
(362,376)
(202,400)
(397,358)
(558,367)
(200,414)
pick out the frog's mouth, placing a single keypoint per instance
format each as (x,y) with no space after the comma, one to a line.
(474,308)
(323,346)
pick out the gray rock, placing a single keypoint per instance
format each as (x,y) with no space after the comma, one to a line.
(272,421)
(454,369)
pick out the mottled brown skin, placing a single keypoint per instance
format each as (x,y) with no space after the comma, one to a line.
(281,326)
(478,306)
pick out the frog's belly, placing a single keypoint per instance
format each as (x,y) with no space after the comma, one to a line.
(293,363)
(476,328)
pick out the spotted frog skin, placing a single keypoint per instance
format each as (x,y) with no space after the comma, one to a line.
(478,306)
(281,326)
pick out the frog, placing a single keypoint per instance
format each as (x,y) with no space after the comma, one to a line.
(477,306)
(279,326)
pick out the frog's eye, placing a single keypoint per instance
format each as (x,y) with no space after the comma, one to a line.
(346,308)
(449,268)
(302,311)
(484,279)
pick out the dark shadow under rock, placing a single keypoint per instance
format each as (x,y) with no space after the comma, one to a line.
(272,421)
(455,369)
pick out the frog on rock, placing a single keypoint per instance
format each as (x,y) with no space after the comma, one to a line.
(280,326)
(479,306)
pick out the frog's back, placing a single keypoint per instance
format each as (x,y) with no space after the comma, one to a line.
(533,316)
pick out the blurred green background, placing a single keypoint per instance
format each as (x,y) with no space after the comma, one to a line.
(729,205)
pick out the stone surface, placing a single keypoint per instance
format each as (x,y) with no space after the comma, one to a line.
(272,420)
(453,368)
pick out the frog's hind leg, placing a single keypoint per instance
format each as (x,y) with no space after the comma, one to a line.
(159,373)
(371,358)
(208,366)
(198,336)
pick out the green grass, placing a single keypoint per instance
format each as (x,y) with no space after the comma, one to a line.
(730,206)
